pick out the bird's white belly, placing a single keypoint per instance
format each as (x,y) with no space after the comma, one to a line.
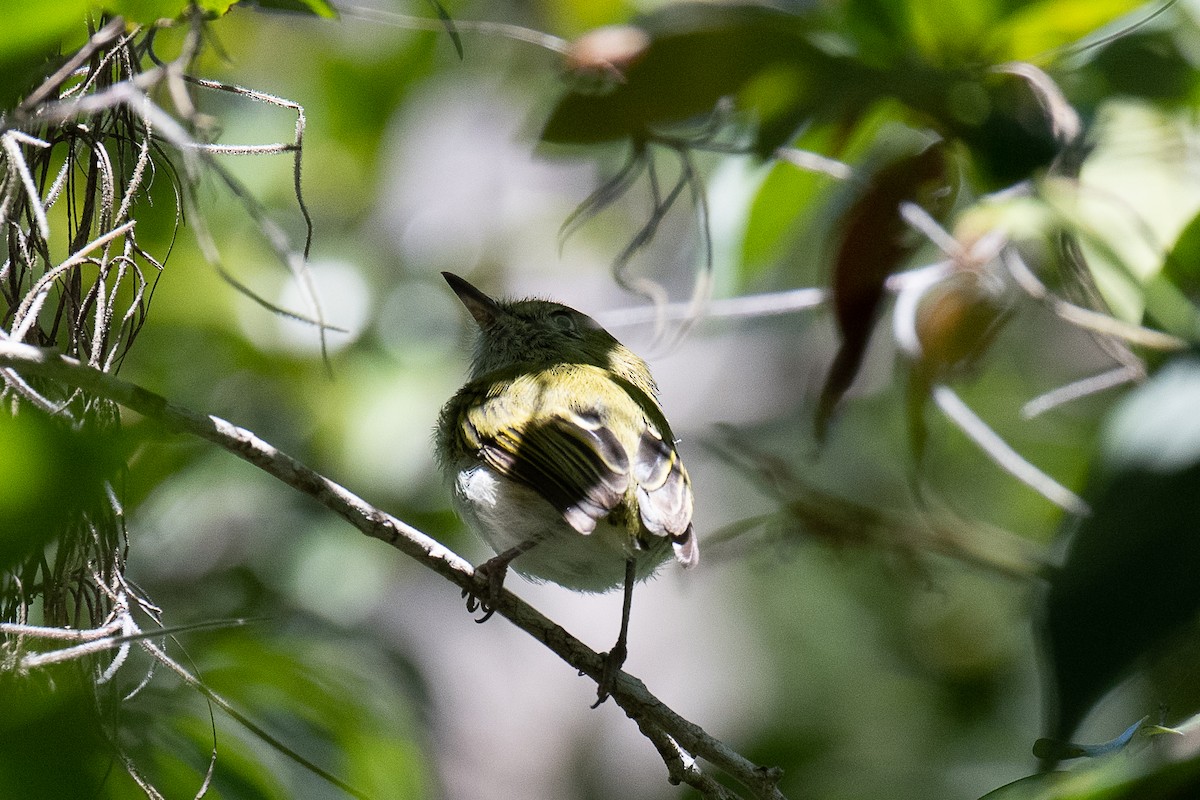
(508,514)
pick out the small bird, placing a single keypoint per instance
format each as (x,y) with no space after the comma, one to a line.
(559,456)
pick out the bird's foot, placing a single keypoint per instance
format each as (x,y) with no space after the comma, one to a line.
(613,660)
(489,583)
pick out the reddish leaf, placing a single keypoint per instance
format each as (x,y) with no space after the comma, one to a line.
(876,242)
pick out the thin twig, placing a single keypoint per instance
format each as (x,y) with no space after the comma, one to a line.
(1085,317)
(483,27)
(1084,387)
(1002,453)
(815,162)
(752,305)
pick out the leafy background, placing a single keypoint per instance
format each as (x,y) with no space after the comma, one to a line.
(865,659)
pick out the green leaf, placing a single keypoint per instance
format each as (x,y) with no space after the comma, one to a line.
(215,8)
(957,43)
(793,206)
(33,33)
(1182,265)
(1171,296)
(997,116)
(784,198)
(145,12)
(1147,774)
(1154,66)
(1129,579)
(320,8)
(48,474)
(774,216)
(54,747)
(698,54)
(1032,787)
(333,693)
(34,25)
(880,29)
(1038,28)
(448,22)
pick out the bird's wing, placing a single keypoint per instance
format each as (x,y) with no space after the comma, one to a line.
(569,452)
(570,458)
(665,493)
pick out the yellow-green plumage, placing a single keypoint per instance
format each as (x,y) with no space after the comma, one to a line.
(558,440)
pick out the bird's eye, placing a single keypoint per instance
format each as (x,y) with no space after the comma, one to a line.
(564,320)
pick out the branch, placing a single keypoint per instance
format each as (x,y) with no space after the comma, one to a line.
(657,721)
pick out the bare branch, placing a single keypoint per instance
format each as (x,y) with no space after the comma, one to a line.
(752,305)
(629,693)
(1086,317)
(815,162)
(483,27)
(1082,388)
(1003,455)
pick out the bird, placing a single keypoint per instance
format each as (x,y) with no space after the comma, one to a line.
(559,456)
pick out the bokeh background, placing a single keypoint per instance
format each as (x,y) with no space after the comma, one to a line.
(901,662)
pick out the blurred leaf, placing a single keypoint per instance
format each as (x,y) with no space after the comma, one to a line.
(169,736)
(1038,28)
(1148,774)
(146,12)
(1150,66)
(785,71)
(156,457)
(33,33)
(48,474)
(328,700)
(320,8)
(1129,579)
(789,213)
(448,23)
(779,207)
(1182,265)
(961,42)
(1172,295)
(999,118)
(698,54)
(1042,786)
(1171,310)
(944,74)
(874,242)
(337,702)
(880,28)
(53,744)
(31,25)
(215,7)
(243,769)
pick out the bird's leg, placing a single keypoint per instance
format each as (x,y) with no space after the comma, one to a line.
(491,574)
(614,658)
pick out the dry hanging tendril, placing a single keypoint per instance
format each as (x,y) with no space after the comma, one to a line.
(79,161)
(109,143)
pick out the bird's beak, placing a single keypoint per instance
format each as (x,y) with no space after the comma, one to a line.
(484,309)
